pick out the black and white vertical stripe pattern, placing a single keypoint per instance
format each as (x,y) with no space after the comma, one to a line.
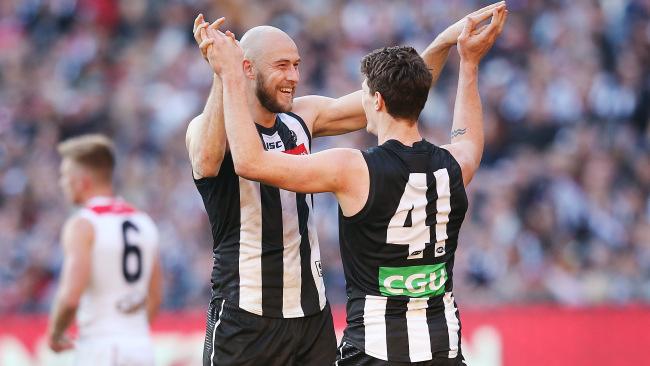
(400,302)
(279,257)
(384,330)
(386,321)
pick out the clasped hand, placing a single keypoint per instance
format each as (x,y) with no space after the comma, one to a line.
(221,50)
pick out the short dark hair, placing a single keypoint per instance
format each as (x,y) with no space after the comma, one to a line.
(400,75)
(94,152)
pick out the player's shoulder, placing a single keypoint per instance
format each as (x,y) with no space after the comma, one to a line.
(292,118)
(108,206)
(78,229)
(455,153)
(308,107)
(106,210)
(307,102)
(192,130)
(376,156)
(192,125)
(109,213)
(77,221)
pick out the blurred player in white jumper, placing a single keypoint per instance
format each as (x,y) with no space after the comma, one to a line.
(111,278)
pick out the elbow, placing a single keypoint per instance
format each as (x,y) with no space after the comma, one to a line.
(69,304)
(247,162)
(206,165)
(249,165)
(245,169)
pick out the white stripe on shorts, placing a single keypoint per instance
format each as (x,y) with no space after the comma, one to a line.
(214,332)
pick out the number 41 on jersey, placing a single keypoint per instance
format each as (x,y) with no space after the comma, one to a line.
(408,225)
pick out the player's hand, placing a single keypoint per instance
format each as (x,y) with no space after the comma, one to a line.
(59,343)
(200,32)
(474,43)
(223,52)
(450,35)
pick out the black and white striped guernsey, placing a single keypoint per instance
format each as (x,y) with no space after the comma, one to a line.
(266,254)
(398,254)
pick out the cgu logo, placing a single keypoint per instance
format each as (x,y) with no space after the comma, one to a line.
(413,281)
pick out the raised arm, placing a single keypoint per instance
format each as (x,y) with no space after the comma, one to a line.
(467,130)
(77,239)
(435,55)
(331,116)
(335,116)
(328,171)
(206,138)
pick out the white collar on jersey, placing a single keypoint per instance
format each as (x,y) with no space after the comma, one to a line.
(102,201)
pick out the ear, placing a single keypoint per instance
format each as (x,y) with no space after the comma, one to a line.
(379,101)
(85,181)
(249,69)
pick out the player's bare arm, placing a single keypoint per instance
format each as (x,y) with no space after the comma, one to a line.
(77,238)
(341,171)
(435,55)
(326,116)
(467,129)
(154,294)
(205,138)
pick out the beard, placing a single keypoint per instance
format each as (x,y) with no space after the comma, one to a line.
(267,99)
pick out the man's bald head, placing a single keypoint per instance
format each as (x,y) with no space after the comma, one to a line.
(258,40)
(271,63)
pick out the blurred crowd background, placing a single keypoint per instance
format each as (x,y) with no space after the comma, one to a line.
(559,212)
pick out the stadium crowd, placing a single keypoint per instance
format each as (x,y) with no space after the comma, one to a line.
(559,212)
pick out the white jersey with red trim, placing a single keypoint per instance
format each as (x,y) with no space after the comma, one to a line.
(123,253)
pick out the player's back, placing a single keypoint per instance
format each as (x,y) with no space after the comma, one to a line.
(123,254)
(398,254)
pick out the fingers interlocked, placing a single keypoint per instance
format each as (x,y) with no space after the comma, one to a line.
(201,29)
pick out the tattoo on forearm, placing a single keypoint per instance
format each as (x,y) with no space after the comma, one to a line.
(458,132)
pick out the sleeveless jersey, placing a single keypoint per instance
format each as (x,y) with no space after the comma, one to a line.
(398,254)
(266,254)
(125,245)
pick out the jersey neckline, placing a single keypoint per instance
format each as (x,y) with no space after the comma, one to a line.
(269,131)
(102,201)
(417,146)
(109,204)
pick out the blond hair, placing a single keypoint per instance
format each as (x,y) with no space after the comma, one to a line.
(94,152)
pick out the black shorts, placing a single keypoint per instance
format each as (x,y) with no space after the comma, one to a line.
(349,355)
(236,337)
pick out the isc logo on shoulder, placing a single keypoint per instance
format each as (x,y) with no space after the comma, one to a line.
(413,281)
(273,145)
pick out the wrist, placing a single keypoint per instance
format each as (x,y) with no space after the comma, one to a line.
(53,334)
(468,66)
(442,42)
(230,77)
